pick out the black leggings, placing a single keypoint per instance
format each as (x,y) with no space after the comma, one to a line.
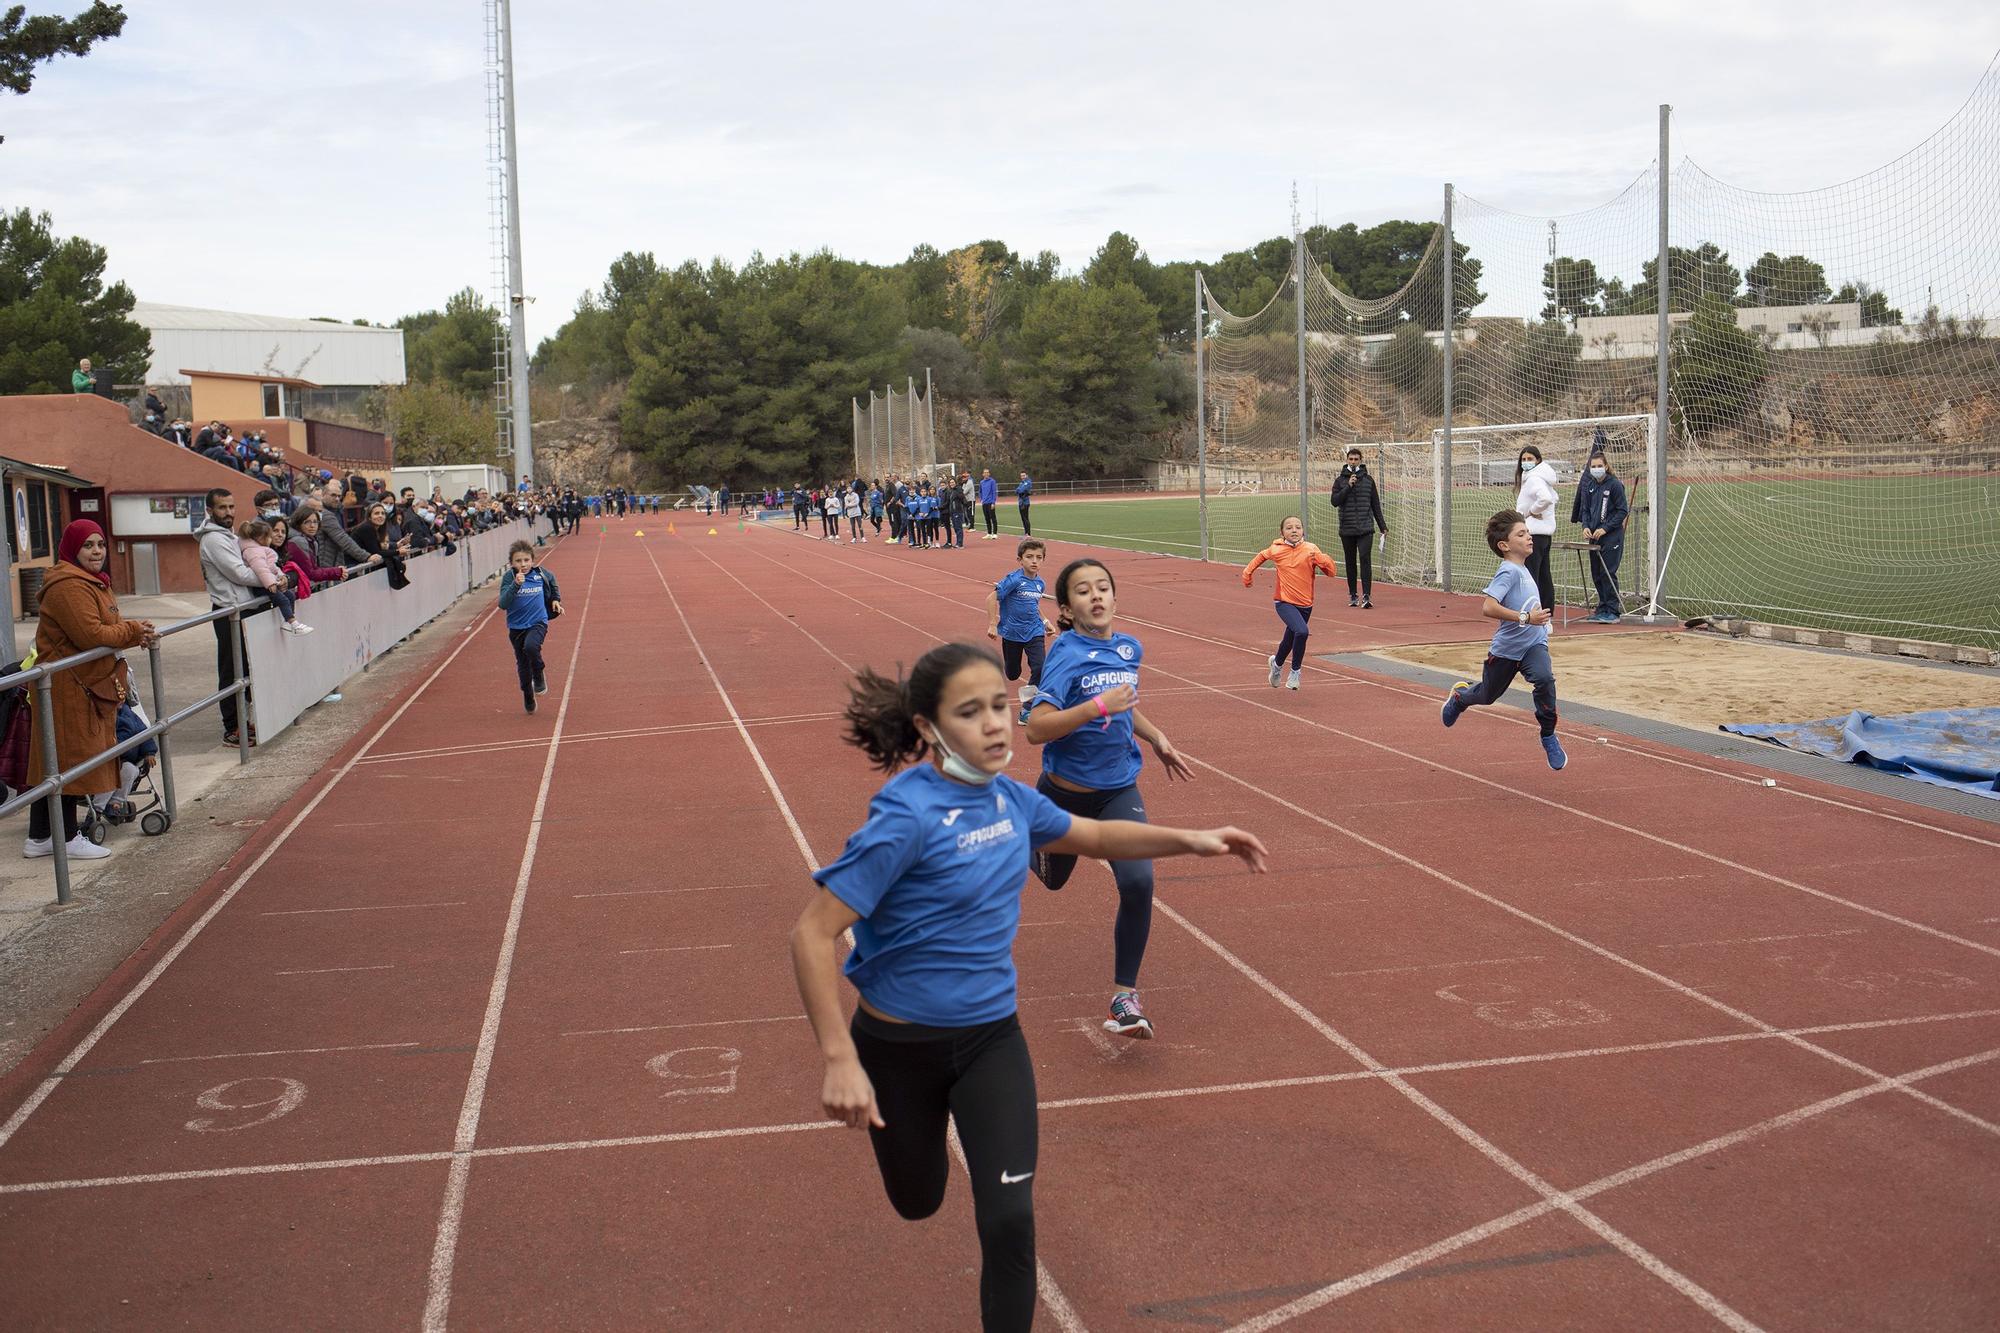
(1011,652)
(1359,557)
(1026,531)
(1538,566)
(72,810)
(981,1077)
(1298,629)
(992,520)
(1134,878)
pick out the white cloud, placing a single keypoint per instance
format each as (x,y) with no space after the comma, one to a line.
(331,160)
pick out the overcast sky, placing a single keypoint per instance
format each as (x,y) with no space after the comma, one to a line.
(330,159)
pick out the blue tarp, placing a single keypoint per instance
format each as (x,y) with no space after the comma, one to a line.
(1946,747)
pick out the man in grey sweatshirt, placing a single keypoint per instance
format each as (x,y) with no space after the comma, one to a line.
(230,582)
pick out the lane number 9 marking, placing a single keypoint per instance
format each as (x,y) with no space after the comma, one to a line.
(285,1096)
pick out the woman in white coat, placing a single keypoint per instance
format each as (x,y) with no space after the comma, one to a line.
(1536,502)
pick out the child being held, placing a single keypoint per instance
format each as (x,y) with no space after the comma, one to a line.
(254,537)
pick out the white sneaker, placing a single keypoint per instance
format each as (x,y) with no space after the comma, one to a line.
(296,627)
(1292,681)
(81,848)
(333,698)
(34,847)
(1277,670)
(1028,695)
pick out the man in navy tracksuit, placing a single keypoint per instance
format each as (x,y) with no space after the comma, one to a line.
(1023,494)
(530,599)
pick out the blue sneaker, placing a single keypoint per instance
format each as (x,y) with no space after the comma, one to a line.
(1452,706)
(1553,748)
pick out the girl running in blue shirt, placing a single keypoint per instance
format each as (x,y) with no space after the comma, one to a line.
(931,888)
(1085,716)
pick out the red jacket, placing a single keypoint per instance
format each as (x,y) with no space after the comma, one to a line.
(300,554)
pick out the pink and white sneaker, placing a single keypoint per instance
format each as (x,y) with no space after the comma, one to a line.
(1128,1019)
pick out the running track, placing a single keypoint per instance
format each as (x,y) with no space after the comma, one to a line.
(1642,1043)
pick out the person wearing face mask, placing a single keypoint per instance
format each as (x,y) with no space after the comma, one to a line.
(1297,562)
(1536,501)
(1601,509)
(930,886)
(1360,506)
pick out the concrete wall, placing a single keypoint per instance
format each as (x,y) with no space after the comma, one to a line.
(95,439)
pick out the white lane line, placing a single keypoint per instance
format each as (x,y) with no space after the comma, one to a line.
(1434,764)
(1624,746)
(227,896)
(1326,1295)
(326,971)
(1052,1296)
(1472,1138)
(641,893)
(385,907)
(674,1027)
(1764,939)
(1522,914)
(1054,1104)
(582,737)
(299,1050)
(451,1212)
(1433,967)
(679,948)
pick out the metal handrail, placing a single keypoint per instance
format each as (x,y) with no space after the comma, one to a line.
(39,676)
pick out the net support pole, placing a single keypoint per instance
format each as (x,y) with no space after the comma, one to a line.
(1656,461)
(930,410)
(1442,469)
(1299,307)
(1200,416)
(517,301)
(889,414)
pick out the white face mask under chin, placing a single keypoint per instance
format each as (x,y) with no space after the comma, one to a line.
(955,767)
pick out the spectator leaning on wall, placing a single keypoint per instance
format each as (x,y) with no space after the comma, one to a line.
(81,380)
(230,582)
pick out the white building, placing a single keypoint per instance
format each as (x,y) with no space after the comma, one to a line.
(1782,327)
(339,356)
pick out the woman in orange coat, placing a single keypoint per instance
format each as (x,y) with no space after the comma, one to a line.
(78,614)
(1298,561)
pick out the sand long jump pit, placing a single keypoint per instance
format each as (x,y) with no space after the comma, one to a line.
(1706,680)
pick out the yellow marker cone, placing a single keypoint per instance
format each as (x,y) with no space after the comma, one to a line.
(711,532)
(638,532)
(671,529)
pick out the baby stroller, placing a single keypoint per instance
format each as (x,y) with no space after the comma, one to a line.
(136,797)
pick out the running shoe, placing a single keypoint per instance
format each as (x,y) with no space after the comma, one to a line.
(1354,601)
(1453,705)
(1128,1019)
(1292,680)
(541,686)
(1367,605)
(1553,748)
(1277,672)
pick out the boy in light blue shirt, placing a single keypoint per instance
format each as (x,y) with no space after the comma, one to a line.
(1521,644)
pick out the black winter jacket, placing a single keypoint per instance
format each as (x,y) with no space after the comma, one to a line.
(1360,505)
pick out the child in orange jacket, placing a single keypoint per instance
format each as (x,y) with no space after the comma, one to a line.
(1298,561)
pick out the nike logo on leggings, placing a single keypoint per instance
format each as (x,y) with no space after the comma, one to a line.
(1006,1179)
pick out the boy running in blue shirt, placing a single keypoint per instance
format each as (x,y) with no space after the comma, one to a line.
(530,598)
(1521,644)
(1014,616)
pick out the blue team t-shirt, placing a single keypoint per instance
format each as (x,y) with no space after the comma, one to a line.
(1514,588)
(528,607)
(935,875)
(1020,606)
(1079,668)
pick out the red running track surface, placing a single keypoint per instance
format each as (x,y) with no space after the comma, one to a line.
(1641,1044)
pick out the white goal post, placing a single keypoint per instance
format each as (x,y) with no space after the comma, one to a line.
(1483,456)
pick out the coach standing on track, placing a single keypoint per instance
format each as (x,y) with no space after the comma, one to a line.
(1024,493)
(1360,507)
